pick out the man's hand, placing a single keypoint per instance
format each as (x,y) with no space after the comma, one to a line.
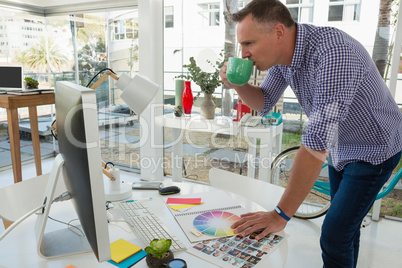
(268,222)
(224,77)
(249,94)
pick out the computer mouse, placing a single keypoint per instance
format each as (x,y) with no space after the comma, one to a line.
(169,190)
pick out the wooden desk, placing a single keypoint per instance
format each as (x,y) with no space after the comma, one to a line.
(12,103)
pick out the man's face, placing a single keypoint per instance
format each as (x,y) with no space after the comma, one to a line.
(259,45)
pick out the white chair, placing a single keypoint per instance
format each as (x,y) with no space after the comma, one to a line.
(265,194)
(18,199)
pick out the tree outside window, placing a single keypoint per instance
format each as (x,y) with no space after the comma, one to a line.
(347,10)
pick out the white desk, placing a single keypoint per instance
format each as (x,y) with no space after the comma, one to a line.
(270,140)
(18,249)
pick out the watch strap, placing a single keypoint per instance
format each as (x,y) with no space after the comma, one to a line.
(280,213)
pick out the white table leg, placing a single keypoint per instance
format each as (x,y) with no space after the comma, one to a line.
(177,157)
(376,210)
(252,154)
(264,171)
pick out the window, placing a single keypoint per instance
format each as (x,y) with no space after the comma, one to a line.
(347,10)
(169,17)
(78,60)
(118,30)
(210,14)
(124,29)
(301,10)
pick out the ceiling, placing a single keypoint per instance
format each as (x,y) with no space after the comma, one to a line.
(55,7)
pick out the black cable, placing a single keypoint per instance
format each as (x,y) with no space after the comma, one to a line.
(106,69)
(108,163)
(51,129)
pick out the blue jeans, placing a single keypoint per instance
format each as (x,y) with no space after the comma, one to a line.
(353,192)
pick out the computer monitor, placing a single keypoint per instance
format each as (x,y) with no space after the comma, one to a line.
(80,163)
(11,77)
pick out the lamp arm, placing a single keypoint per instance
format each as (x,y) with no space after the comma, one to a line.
(103,78)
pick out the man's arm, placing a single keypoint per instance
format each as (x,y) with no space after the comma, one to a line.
(305,171)
(249,94)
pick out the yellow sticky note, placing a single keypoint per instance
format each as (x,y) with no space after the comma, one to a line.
(178,207)
(122,249)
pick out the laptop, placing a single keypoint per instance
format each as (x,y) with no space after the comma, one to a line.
(11,77)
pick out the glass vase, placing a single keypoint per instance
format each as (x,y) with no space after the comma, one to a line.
(187,98)
(179,88)
(227,102)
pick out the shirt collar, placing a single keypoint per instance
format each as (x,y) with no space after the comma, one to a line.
(298,54)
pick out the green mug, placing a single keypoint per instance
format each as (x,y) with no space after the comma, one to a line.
(239,71)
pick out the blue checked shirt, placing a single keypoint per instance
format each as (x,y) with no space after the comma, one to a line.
(350,109)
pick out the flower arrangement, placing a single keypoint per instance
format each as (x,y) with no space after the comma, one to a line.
(208,82)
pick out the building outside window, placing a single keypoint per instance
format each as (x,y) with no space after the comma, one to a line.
(348,10)
(210,14)
(301,10)
(119,30)
(169,17)
(123,29)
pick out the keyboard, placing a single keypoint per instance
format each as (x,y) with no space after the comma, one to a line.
(147,225)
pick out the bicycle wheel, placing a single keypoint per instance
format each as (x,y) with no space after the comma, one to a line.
(318,200)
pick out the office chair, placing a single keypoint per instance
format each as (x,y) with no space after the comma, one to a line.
(18,199)
(265,194)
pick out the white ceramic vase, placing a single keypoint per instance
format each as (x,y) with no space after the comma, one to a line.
(208,107)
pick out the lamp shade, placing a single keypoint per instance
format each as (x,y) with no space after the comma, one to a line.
(138,91)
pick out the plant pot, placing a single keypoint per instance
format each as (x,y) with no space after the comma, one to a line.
(154,262)
(208,107)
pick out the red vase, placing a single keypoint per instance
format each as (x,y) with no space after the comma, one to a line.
(187,98)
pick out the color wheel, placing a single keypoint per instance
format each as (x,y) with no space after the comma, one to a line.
(216,223)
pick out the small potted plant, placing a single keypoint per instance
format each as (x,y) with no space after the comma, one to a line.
(178,111)
(31,83)
(159,253)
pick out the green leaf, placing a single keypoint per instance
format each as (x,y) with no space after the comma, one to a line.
(208,82)
(158,246)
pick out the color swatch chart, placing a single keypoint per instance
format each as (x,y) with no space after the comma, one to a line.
(215,223)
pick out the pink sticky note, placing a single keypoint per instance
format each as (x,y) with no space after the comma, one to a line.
(183,200)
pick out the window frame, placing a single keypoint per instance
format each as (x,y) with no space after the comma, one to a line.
(206,8)
(345,3)
(301,6)
(169,17)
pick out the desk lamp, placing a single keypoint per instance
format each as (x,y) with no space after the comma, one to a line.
(137,93)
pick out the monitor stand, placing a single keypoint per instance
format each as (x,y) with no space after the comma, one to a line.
(62,242)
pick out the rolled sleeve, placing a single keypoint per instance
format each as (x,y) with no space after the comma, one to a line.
(322,132)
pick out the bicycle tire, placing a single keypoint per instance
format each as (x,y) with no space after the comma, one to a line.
(316,203)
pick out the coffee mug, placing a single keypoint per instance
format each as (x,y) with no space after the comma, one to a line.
(239,71)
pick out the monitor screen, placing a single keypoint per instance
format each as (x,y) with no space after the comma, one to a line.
(11,77)
(78,138)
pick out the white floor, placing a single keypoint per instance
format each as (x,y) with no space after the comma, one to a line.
(380,246)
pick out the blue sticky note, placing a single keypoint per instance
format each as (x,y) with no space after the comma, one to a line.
(130,260)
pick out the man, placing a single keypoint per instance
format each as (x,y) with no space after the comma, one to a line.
(352,117)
